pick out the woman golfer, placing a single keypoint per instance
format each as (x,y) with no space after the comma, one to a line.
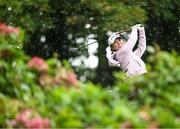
(122,54)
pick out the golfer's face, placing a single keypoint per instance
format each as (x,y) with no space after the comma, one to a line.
(116,45)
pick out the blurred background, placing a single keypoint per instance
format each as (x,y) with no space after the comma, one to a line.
(54,26)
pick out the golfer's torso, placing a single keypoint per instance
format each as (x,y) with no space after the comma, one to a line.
(131,64)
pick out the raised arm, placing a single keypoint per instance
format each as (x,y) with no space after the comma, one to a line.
(129,45)
(142,42)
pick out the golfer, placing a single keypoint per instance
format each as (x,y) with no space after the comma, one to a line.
(121,54)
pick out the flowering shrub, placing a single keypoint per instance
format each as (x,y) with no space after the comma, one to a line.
(28,119)
(62,75)
(10,37)
(38,64)
(20,72)
(67,77)
(8,30)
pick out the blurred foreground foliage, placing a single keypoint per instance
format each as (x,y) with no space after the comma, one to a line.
(37,93)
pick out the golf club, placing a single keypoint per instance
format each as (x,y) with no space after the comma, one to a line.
(75,49)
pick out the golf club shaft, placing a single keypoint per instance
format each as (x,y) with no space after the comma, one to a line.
(77,48)
(122,31)
(96,41)
(99,40)
(87,44)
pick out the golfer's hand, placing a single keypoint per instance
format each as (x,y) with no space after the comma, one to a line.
(137,26)
(140,26)
(110,56)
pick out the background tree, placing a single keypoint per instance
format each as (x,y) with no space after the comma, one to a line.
(164,23)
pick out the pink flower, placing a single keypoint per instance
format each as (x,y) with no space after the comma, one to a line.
(126,124)
(4,29)
(24,116)
(29,119)
(71,78)
(12,30)
(153,125)
(144,115)
(46,123)
(38,63)
(12,123)
(66,76)
(38,123)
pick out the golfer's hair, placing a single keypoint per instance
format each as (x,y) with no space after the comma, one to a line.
(119,38)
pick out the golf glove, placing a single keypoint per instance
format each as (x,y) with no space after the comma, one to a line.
(140,26)
(137,26)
